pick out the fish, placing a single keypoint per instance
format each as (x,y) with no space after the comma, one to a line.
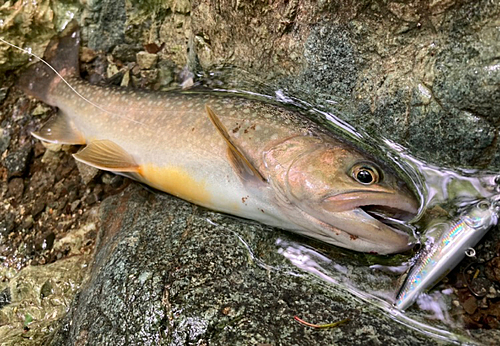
(447,249)
(245,157)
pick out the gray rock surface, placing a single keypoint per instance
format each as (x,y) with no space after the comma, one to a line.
(168,273)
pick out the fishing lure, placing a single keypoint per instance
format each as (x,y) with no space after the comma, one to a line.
(449,248)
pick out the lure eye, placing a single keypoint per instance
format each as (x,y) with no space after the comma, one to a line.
(365,175)
(483,205)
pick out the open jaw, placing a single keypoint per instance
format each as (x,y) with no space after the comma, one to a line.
(376,222)
(392,217)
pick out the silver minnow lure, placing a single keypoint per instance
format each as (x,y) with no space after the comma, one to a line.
(448,250)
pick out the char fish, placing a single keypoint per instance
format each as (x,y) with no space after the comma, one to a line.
(231,154)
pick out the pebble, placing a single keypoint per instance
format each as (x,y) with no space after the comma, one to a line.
(38,207)
(75,205)
(7,224)
(86,172)
(146,60)
(5,297)
(87,54)
(27,222)
(16,188)
(4,140)
(470,305)
(16,162)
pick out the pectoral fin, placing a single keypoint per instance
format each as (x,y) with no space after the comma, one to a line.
(240,163)
(59,129)
(108,156)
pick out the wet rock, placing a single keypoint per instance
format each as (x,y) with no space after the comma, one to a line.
(397,69)
(16,162)
(203,288)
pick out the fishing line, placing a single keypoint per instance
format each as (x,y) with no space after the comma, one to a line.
(71,87)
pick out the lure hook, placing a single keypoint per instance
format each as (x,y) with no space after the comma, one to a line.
(470,252)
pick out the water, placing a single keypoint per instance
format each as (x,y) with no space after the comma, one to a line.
(444,193)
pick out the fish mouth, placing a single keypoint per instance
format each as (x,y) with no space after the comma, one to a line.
(376,218)
(388,215)
(376,203)
(391,217)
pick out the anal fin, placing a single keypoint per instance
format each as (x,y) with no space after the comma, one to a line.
(108,156)
(59,129)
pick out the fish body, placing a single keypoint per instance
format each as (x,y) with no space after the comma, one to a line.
(232,154)
(449,248)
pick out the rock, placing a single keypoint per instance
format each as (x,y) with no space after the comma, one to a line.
(7,224)
(422,74)
(146,60)
(87,55)
(4,140)
(88,173)
(5,297)
(470,305)
(16,188)
(38,207)
(28,293)
(109,28)
(165,275)
(17,162)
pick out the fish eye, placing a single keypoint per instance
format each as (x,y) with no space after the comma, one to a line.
(365,175)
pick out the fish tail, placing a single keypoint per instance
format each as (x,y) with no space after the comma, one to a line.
(60,62)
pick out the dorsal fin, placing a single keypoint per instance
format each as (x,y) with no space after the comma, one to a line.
(108,156)
(241,164)
(59,129)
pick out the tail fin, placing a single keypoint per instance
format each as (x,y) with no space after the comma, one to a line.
(62,54)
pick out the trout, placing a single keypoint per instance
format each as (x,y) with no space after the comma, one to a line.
(227,153)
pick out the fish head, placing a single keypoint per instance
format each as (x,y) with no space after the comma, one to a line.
(341,195)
